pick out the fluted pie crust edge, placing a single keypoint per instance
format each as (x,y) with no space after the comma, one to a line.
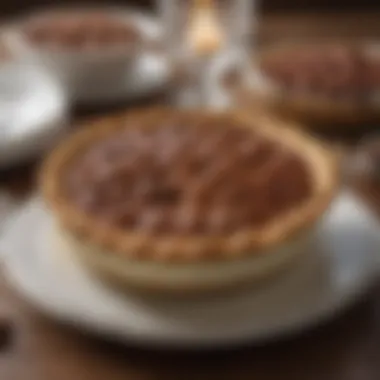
(322,164)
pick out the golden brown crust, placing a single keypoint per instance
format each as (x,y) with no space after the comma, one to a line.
(133,245)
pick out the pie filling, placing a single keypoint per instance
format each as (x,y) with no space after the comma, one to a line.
(335,71)
(186,177)
(81,31)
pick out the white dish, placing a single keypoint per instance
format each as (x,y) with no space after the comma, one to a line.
(33,112)
(149,75)
(99,76)
(340,268)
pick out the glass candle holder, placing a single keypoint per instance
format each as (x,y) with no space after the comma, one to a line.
(199,32)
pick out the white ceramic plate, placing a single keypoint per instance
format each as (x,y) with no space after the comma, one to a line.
(341,266)
(33,112)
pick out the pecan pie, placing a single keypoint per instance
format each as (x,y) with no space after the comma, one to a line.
(183,200)
(324,83)
(83,31)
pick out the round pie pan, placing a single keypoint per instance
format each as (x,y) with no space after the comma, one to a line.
(319,112)
(187,262)
(100,73)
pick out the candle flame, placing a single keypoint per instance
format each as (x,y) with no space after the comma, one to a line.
(205,34)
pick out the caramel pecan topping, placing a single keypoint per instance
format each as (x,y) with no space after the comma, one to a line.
(81,31)
(189,178)
(332,70)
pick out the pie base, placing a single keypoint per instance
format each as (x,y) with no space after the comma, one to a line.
(196,262)
(167,277)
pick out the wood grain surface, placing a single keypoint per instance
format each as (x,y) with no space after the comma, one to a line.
(23,6)
(347,348)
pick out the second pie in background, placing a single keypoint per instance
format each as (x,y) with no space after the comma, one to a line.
(320,83)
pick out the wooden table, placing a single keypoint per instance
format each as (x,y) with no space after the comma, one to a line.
(347,348)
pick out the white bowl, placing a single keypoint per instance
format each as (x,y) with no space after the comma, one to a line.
(33,112)
(87,74)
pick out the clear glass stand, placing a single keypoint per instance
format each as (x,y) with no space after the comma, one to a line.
(196,34)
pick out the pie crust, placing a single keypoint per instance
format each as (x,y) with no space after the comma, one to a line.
(171,261)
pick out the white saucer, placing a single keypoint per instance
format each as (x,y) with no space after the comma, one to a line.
(149,75)
(333,276)
(33,112)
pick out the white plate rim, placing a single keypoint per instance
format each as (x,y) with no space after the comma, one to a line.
(323,315)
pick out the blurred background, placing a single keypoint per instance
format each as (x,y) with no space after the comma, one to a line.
(348,349)
(8,8)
